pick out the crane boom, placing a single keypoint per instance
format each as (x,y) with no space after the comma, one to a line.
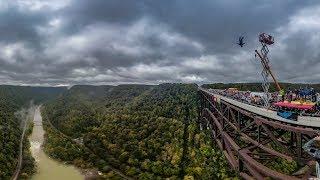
(266,40)
(267,67)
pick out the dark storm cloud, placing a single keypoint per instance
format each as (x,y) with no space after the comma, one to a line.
(99,42)
(18,25)
(214,23)
(83,12)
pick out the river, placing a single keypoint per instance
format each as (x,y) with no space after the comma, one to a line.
(48,168)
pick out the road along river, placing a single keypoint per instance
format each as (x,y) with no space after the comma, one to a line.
(48,168)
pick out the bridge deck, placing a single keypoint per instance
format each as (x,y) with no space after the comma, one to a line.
(302,120)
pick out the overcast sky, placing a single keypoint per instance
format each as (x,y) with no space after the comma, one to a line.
(67,42)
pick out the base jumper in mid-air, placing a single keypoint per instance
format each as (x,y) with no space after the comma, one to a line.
(241,43)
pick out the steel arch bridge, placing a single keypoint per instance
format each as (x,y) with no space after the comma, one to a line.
(251,141)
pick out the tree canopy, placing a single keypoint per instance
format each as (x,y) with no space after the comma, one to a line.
(147,132)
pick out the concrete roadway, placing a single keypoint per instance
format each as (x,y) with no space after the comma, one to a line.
(302,120)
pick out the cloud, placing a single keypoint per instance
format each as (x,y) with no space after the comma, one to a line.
(37,5)
(111,42)
(297,56)
(106,46)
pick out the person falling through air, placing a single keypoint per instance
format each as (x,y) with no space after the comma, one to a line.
(241,43)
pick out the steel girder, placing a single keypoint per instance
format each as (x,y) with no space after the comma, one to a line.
(251,143)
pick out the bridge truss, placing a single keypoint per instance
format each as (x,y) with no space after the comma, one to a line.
(252,143)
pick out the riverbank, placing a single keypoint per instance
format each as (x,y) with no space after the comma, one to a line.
(64,148)
(26,165)
(47,168)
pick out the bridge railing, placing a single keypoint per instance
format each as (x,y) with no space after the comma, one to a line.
(251,142)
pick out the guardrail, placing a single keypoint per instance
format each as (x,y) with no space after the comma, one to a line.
(251,141)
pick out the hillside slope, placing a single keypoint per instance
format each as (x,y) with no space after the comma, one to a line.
(13,98)
(147,132)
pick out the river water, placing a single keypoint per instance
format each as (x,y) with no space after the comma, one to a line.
(47,168)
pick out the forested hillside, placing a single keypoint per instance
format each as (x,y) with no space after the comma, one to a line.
(13,98)
(146,132)
(258,87)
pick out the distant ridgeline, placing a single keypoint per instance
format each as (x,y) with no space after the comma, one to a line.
(258,87)
(144,131)
(12,98)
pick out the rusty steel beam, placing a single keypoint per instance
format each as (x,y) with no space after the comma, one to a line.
(262,169)
(248,140)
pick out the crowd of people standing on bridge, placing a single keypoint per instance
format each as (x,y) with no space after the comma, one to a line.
(256,98)
(305,94)
(248,97)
